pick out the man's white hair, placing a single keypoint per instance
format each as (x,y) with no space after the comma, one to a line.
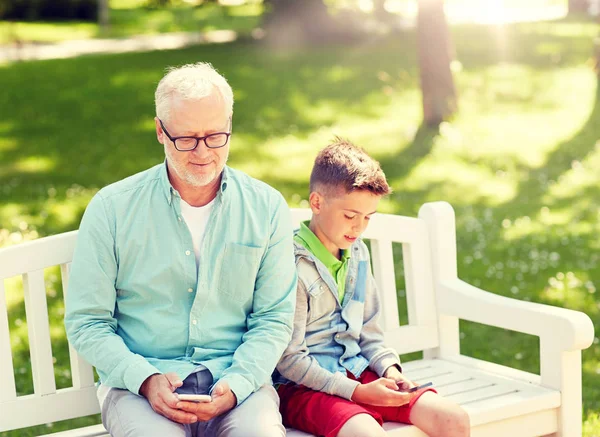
(190,82)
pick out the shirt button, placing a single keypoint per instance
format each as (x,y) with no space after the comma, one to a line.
(337,336)
(179,218)
(187,252)
(194,322)
(190,290)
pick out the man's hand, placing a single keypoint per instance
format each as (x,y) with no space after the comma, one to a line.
(402,381)
(158,389)
(383,392)
(223,400)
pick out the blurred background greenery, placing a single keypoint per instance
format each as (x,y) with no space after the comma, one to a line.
(516,150)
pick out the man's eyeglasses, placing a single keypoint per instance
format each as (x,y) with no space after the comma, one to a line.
(186,144)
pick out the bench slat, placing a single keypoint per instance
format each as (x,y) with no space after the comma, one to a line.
(32,410)
(540,423)
(459,386)
(395,228)
(419,286)
(383,272)
(38,328)
(8,390)
(412,338)
(512,405)
(88,431)
(82,373)
(482,393)
(37,254)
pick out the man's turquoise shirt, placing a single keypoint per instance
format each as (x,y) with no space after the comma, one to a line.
(136,304)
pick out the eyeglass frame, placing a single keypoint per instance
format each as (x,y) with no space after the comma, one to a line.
(174,139)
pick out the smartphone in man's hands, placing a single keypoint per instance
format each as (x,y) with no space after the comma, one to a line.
(194,398)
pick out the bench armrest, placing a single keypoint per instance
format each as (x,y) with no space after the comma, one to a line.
(569,330)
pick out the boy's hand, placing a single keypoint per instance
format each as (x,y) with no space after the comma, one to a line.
(403,382)
(382,392)
(223,400)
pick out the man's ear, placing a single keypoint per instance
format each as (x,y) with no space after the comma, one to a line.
(159,132)
(315,200)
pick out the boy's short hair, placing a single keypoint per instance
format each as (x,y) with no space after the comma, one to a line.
(342,165)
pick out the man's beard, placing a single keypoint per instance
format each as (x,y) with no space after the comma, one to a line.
(199,181)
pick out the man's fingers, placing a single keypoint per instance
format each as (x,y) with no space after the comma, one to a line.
(174,379)
(203,411)
(220,389)
(176,415)
(168,398)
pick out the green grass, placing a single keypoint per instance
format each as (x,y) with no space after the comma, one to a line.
(129,18)
(518,163)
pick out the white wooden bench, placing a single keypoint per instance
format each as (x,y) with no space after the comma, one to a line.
(501,401)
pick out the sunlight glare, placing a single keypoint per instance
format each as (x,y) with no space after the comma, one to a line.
(492,12)
(365,5)
(401,7)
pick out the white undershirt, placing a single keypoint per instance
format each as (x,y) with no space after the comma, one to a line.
(196,218)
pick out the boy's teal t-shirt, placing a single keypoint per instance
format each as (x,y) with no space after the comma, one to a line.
(337,267)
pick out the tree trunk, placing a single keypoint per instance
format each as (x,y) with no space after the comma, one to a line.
(435,54)
(597,56)
(103,15)
(578,6)
(292,21)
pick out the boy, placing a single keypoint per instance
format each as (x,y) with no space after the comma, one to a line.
(338,377)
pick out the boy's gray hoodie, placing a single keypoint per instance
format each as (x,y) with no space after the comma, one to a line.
(330,338)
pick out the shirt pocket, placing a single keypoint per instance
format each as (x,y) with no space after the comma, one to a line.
(321,302)
(239,269)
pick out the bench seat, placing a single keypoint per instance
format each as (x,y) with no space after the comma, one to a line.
(524,409)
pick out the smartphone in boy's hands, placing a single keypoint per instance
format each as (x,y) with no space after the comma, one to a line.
(194,398)
(419,387)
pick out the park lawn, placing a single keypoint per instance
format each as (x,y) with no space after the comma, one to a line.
(130,18)
(518,163)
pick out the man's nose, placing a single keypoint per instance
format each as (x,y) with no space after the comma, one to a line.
(201,150)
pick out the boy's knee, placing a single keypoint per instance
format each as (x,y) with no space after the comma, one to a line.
(361,425)
(459,422)
(464,422)
(442,417)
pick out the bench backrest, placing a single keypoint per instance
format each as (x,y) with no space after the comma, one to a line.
(49,404)
(384,229)
(46,404)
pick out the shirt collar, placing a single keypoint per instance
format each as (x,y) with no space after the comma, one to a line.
(311,242)
(169,191)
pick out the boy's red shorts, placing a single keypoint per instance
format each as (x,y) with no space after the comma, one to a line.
(323,414)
